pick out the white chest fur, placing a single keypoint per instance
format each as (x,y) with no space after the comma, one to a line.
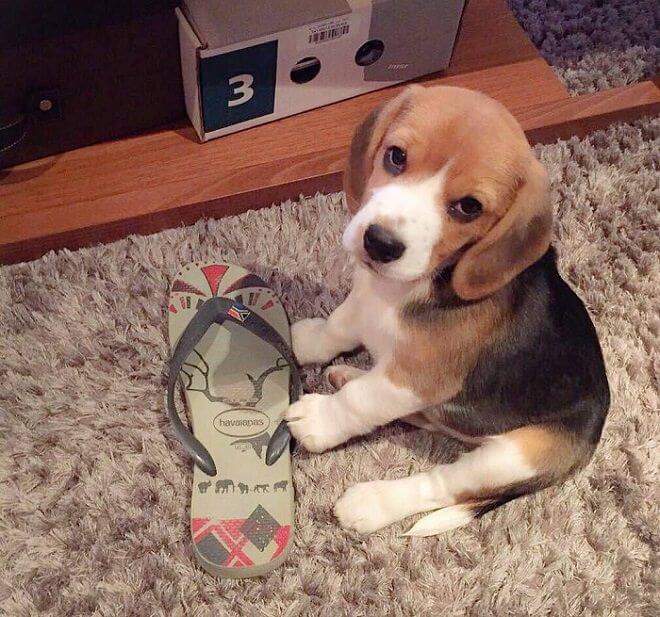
(376,303)
(370,316)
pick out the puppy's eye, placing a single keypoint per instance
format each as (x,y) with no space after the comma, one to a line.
(466,209)
(394,160)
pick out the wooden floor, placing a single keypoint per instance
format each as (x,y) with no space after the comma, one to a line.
(150,182)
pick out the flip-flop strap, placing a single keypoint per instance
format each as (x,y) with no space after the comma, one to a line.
(218,310)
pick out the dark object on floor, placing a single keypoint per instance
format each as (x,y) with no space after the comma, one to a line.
(80,72)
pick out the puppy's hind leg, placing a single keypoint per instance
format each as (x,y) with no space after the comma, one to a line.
(503,468)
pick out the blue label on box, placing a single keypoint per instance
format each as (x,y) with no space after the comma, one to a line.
(238,86)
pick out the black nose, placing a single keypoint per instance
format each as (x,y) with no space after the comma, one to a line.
(381,245)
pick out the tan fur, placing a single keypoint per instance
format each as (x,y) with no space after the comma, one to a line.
(550,450)
(435,372)
(520,238)
(366,140)
(488,158)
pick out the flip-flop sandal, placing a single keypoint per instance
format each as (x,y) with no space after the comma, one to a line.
(231,341)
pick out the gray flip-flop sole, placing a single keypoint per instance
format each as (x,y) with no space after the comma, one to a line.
(236,388)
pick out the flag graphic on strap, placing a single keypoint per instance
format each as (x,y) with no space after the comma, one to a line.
(238,312)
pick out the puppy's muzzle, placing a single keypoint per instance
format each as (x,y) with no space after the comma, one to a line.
(382,245)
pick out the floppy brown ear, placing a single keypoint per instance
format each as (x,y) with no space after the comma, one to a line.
(366,140)
(515,242)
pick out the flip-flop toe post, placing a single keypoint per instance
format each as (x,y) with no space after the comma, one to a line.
(230,342)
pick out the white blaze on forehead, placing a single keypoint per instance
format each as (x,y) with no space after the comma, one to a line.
(411,211)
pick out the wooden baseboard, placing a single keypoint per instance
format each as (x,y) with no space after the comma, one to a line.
(163,179)
(581,115)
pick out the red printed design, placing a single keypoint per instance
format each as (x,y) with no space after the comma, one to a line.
(214,274)
(229,534)
(180,285)
(198,523)
(281,538)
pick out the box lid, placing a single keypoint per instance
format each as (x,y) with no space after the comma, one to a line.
(218,23)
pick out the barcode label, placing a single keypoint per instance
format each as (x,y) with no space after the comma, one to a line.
(328,34)
(341,28)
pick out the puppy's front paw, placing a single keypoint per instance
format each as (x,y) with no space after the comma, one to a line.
(368,506)
(307,338)
(310,422)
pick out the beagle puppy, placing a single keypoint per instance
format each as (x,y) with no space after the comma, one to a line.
(457,297)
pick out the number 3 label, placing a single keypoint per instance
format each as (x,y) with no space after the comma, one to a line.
(238,86)
(242,86)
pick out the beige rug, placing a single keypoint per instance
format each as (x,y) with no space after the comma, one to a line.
(94,490)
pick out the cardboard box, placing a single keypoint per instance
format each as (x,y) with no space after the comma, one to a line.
(249,62)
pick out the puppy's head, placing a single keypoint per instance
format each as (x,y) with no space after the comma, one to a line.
(442,176)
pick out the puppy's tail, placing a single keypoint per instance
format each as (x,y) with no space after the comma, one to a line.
(454,517)
(461,514)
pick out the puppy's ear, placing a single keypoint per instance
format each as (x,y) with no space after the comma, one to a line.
(367,139)
(515,242)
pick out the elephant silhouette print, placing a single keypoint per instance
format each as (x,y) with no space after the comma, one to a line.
(260,488)
(223,486)
(281,484)
(203,486)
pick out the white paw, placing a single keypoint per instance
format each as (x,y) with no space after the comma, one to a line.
(310,422)
(369,506)
(307,341)
(338,375)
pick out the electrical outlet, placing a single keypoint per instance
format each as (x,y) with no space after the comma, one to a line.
(45,104)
